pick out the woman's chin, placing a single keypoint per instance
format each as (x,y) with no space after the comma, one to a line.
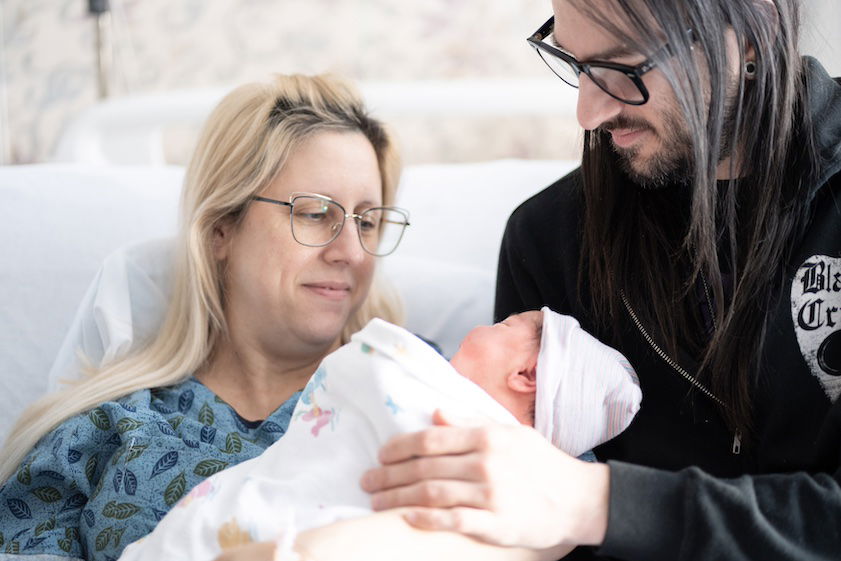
(326,334)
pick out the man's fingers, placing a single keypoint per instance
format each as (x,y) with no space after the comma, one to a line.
(465,467)
(434,441)
(447,418)
(477,523)
(434,493)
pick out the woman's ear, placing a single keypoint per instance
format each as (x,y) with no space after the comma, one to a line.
(222,237)
(524,381)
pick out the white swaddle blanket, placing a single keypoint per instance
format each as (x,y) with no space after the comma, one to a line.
(384,382)
(587,392)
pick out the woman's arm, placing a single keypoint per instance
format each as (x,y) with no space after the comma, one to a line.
(387,536)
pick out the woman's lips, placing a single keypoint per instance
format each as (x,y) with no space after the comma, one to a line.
(330,290)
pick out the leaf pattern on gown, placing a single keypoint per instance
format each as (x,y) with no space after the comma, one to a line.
(104,478)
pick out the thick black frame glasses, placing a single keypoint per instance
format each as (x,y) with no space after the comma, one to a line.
(619,81)
(312,221)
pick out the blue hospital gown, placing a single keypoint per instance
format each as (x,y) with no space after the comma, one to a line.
(104,478)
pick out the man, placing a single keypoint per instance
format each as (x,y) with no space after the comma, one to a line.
(702,239)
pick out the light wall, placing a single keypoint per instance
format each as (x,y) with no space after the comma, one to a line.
(47,65)
(822,32)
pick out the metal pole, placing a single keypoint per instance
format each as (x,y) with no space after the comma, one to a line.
(5,134)
(102,30)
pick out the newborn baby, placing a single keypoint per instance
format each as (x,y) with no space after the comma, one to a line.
(551,374)
(384,382)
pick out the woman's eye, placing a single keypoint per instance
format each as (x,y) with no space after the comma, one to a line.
(367,225)
(311,216)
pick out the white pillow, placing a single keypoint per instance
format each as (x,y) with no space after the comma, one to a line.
(122,308)
(445,269)
(58,222)
(125,303)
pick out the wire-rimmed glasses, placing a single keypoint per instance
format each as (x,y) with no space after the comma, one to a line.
(317,220)
(619,81)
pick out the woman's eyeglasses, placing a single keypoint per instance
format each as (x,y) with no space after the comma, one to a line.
(317,220)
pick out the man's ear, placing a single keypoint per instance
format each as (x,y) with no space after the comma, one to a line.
(767,9)
(222,238)
(524,381)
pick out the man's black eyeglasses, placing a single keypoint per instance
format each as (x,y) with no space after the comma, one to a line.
(619,81)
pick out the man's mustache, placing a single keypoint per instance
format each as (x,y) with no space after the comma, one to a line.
(626,123)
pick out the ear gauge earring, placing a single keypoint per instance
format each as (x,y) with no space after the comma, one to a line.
(750,70)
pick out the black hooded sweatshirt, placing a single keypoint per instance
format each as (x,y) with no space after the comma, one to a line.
(677,489)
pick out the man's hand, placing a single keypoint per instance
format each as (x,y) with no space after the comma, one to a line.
(504,485)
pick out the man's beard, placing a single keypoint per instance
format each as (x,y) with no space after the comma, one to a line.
(671,164)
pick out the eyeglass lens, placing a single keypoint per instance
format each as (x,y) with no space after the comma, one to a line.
(614,82)
(317,222)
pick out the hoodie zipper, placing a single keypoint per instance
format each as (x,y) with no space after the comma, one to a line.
(736,449)
(737,437)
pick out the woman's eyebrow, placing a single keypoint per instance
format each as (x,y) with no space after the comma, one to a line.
(330,194)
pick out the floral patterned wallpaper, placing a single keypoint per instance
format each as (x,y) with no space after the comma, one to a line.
(47,63)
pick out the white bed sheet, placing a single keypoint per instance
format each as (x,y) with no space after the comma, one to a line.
(58,222)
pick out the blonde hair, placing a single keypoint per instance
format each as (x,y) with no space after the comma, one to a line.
(245,143)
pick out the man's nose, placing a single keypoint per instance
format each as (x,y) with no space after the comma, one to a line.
(595,106)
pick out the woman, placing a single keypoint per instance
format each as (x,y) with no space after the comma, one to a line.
(285,207)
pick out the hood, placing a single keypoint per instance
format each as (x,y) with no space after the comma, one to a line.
(824,102)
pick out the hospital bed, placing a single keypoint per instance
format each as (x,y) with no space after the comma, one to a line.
(84,238)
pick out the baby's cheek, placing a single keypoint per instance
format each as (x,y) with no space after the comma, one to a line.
(467,365)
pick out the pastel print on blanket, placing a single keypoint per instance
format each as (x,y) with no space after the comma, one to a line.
(384,382)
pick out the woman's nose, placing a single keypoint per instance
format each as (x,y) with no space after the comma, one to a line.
(595,107)
(347,246)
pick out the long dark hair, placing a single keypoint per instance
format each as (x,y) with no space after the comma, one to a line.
(658,247)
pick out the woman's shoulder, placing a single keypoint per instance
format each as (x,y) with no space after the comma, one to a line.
(178,421)
(45,500)
(104,477)
(70,450)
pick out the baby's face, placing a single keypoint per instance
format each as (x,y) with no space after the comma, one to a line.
(516,337)
(491,353)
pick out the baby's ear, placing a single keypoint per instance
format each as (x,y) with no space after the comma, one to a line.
(524,381)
